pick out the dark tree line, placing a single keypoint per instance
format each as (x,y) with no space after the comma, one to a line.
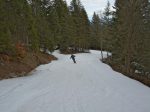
(46,24)
(126,34)
(132,34)
(43,24)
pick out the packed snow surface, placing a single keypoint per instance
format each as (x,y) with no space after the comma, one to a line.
(62,86)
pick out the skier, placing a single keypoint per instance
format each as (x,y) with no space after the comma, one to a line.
(73,58)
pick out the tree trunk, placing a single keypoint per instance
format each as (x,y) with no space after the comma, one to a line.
(102,49)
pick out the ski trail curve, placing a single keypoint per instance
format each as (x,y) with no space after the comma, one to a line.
(62,86)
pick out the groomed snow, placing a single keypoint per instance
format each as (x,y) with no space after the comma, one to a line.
(62,86)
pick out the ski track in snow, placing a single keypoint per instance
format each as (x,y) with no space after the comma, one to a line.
(62,86)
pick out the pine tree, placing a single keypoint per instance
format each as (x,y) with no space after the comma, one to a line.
(41,11)
(145,60)
(129,27)
(85,29)
(18,22)
(107,28)
(5,36)
(95,32)
(64,29)
(75,9)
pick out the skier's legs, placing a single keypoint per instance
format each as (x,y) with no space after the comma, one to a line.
(74,60)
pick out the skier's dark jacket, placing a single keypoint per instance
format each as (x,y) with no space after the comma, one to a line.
(73,58)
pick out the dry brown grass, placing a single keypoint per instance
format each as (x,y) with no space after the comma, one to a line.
(139,77)
(11,67)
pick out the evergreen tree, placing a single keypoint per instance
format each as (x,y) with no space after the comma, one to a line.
(145,60)
(5,40)
(76,8)
(41,13)
(85,29)
(129,27)
(95,32)
(18,22)
(64,20)
(107,28)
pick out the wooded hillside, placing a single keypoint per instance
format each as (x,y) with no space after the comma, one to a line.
(29,26)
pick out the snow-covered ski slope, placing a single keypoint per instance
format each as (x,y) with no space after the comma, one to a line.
(62,86)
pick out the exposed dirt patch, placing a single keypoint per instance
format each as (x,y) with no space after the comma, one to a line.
(121,69)
(11,67)
(74,51)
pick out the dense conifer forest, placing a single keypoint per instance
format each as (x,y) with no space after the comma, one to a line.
(32,25)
